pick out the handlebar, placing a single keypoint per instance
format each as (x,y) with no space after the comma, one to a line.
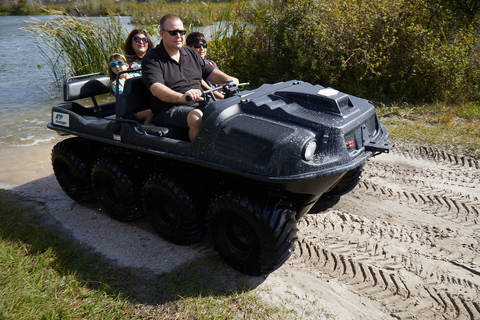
(229,87)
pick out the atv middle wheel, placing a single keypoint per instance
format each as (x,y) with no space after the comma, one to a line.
(171,210)
(251,238)
(116,190)
(72,166)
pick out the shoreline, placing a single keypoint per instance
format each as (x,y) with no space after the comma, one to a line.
(21,165)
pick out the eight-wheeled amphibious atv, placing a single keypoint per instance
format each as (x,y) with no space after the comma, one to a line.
(261,160)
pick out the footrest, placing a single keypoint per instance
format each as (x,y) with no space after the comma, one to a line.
(169,132)
(155,130)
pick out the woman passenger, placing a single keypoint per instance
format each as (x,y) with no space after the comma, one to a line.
(136,46)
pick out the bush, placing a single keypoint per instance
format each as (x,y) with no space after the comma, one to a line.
(385,50)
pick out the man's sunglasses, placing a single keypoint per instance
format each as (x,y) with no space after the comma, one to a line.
(138,39)
(173,33)
(198,45)
(113,65)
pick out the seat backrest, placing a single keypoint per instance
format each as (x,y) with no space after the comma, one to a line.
(75,89)
(135,97)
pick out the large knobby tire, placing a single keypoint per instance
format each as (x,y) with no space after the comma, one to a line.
(116,190)
(171,210)
(348,182)
(72,167)
(251,238)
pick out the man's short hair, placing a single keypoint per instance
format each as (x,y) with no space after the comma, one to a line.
(168,16)
(195,37)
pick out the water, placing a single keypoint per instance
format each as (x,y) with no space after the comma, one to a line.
(24,88)
(27,93)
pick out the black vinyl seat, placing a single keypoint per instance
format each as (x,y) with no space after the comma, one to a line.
(136,97)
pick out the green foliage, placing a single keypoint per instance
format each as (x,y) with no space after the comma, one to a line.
(462,11)
(195,13)
(78,45)
(385,50)
(390,50)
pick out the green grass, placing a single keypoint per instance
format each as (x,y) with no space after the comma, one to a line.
(453,127)
(46,275)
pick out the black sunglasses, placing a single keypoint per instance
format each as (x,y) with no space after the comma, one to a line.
(173,33)
(198,45)
(138,39)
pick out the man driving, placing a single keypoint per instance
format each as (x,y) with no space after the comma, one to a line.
(174,72)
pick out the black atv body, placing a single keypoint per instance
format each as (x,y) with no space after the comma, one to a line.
(261,160)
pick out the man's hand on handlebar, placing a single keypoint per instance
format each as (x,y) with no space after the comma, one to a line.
(235,81)
(198,95)
(193,95)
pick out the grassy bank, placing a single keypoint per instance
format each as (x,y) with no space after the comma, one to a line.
(44,275)
(447,126)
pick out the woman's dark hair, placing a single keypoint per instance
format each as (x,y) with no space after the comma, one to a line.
(195,37)
(128,49)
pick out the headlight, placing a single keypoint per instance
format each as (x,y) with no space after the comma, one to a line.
(309,150)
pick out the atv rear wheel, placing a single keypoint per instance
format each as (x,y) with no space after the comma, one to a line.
(253,239)
(171,210)
(72,167)
(116,190)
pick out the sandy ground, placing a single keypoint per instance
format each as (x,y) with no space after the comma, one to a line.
(402,245)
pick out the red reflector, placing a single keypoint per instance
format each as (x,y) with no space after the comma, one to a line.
(350,144)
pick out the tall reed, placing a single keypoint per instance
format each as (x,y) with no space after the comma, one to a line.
(193,14)
(78,45)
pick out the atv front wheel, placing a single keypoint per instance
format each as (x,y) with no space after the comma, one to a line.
(72,166)
(253,239)
(346,184)
(116,190)
(171,211)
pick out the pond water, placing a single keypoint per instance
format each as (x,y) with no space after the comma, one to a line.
(27,93)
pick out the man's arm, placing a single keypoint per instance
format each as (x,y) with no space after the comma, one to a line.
(219,77)
(166,94)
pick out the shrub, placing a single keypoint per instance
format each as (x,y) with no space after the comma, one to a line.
(385,50)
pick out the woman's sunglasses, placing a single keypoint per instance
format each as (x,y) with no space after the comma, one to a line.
(173,33)
(113,65)
(138,39)
(198,45)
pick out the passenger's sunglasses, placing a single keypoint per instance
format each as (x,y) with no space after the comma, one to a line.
(173,33)
(198,45)
(138,39)
(113,65)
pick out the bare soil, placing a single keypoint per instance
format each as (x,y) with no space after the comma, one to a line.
(404,244)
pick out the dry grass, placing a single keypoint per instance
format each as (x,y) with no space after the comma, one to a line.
(449,126)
